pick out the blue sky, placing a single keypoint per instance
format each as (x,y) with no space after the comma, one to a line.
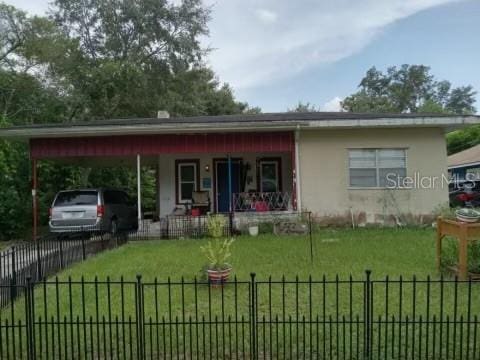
(446,38)
(275,53)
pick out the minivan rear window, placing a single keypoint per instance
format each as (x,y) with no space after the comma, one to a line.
(70,198)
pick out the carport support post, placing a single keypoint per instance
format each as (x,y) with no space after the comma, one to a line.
(34,199)
(139,191)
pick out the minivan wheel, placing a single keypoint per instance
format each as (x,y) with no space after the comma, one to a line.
(113,227)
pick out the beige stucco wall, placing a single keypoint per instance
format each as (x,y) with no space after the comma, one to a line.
(324,174)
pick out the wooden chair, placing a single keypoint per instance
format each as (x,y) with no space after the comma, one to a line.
(201,201)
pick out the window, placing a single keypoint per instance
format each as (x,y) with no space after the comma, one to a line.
(269,175)
(377,167)
(187,180)
(71,198)
(114,197)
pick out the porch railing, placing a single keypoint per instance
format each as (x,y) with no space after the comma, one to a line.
(261,201)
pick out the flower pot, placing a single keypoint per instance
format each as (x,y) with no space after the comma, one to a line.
(467,215)
(253,230)
(218,277)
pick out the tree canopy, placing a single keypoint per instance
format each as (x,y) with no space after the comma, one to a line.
(413,89)
(409,88)
(97,59)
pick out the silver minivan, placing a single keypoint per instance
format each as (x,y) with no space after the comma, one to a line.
(100,210)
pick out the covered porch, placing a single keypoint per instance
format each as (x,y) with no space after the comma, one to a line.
(239,174)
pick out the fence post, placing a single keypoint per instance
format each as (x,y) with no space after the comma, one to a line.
(253,310)
(139,315)
(230,223)
(39,261)
(84,255)
(310,235)
(29,319)
(13,282)
(61,251)
(368,315)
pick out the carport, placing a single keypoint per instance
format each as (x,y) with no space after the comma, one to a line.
(140,142)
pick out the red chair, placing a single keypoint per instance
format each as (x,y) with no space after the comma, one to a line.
(261,206)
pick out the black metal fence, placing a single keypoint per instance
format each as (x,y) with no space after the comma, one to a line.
(47,256)
(53,252)
(190,226)
(284,319)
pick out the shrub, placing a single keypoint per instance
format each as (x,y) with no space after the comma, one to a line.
(445,211)
(265,228)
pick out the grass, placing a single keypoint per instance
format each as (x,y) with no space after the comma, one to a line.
(392,252)
(343,252)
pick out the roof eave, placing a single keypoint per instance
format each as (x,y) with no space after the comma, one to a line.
(447,123)
(469,165)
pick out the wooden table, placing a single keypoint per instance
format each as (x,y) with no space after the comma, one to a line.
(463,232)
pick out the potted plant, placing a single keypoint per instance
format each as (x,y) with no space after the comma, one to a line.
(216,225)
(217,252)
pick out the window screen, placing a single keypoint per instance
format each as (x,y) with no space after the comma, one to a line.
(377,167)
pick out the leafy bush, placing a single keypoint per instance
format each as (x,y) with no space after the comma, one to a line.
(217,253)
(216,225)
(445,211)
(450,255)
(265,228)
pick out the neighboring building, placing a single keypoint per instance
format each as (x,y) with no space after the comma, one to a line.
(465,162)
(333,164)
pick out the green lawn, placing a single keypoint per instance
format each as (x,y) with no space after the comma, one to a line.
(343,252)
(294,309)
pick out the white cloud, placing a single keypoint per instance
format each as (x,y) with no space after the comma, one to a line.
(310,33)
(332,105)
(266,16)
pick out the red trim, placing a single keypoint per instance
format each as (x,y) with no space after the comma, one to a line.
(186,161)
(129,145)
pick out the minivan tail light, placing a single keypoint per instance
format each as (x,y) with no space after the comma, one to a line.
(50,213)
(465,197)
(100,210)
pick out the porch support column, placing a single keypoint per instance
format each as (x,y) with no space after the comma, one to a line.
(139,191)
(229,183)
(298,192)
(34,200)
(157,187)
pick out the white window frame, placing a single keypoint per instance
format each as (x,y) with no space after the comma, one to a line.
(180,165)
(277,172)
(377,168)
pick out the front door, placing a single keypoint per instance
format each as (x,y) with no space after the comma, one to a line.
(221,180)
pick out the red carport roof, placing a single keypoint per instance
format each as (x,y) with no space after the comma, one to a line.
(127,145)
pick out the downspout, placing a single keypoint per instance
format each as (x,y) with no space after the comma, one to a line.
(297,170)
(139,192)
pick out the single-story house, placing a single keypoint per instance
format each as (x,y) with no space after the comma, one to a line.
(464,162)
(343,167)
